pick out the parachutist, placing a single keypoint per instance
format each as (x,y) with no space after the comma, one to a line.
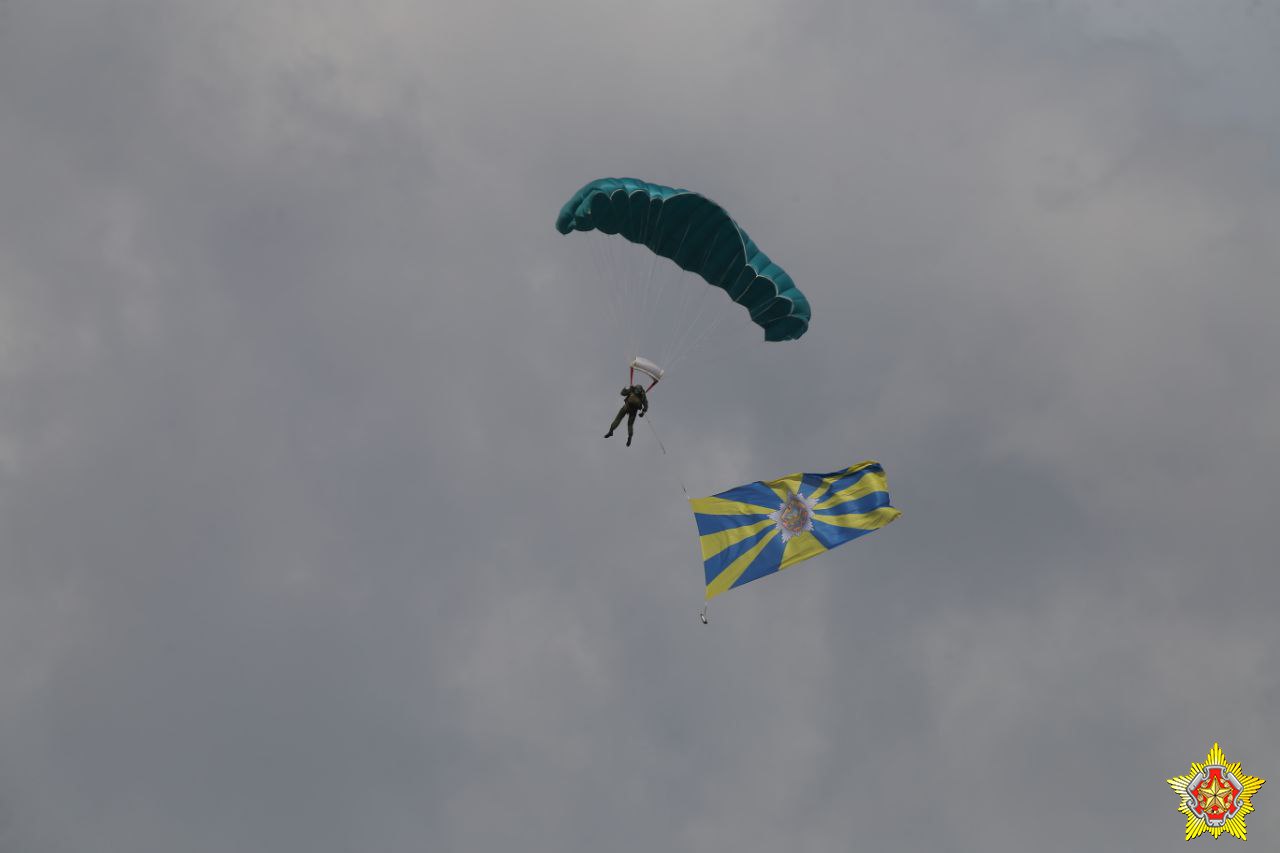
(635,402)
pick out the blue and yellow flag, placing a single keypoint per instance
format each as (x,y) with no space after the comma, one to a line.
(761,528)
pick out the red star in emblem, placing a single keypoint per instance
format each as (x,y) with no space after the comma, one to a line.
(1215,796)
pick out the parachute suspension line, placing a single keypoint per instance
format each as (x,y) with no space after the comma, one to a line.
(708,339)
(635,297)
(604,270)
(698,337)
(680,312)
(627,297)
(607,271)
(681,332)
(675,273)
(682,329)
(639,324)
(668,272)
(708,342)
(697,334)
(628,278)
(679,271)
(664,280)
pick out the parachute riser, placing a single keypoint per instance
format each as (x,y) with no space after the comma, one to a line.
(633,379)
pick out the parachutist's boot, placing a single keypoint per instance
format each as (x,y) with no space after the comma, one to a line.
(628,441)
(609,434)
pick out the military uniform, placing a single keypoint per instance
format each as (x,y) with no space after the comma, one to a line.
(635,402)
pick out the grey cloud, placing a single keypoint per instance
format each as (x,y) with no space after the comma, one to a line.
(310,538)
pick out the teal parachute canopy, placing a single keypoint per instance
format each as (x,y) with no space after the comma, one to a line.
(701,237)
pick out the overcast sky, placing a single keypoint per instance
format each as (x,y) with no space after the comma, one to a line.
(309,541)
